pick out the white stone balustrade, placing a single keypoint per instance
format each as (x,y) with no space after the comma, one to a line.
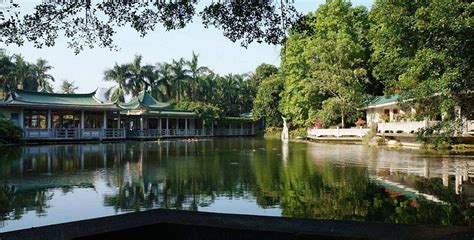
(338,132)
(403,127)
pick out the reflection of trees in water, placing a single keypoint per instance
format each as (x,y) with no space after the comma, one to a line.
(189,175)
(14,204)
(325,190)
(181,175)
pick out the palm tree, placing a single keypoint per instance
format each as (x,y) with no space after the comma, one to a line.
(208,86)
(7,68)
(162,87)
(24,74)
(41,69)
(118,74)
(180,77)
(195,73)
(68,86)
(114,94)
(136,80)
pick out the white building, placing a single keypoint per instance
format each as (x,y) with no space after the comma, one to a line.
(385,113)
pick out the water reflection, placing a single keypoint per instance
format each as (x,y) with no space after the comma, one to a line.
(246,175)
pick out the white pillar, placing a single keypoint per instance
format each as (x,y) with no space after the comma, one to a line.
(203,128)
(105,120)
(185,126)
(241,128)
(212,128)
(49,119)
(167,126)
(82,119)
(118,119)
(159,124)
(21,121)
(177,127)
(141,123)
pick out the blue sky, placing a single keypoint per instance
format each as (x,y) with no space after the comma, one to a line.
(215,51)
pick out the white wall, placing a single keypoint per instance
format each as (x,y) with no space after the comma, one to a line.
(374,114)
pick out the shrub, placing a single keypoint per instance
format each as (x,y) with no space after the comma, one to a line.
(298,132)
(9,133)
(441,134)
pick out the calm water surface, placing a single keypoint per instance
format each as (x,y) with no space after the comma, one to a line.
(42,185)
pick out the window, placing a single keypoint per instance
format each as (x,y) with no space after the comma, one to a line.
(35,119)
(66,119)
(93,119)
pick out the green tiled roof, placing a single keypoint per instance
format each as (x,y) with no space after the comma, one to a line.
(146,100)
(380,100)
(30,97)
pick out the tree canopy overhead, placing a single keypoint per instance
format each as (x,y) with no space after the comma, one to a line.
(89,23)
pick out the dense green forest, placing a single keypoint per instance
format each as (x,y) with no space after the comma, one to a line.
(187,84)
(333,61)
(338,57)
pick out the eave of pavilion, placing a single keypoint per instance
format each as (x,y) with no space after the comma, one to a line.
(108,107)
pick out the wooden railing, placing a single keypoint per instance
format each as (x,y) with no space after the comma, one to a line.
(338,132)
(73,133)
(156,133)
(120,133)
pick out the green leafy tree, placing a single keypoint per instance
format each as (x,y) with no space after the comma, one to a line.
(267,100)
(96,23)
(207,112)
(423,49)
(301,98)
(262,72)
(339,52)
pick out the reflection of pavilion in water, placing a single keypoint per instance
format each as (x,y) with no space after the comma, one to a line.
(42,167)
(392,166)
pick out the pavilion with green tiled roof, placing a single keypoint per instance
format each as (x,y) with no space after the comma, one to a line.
(378,101)
(57,100)
(55,116)
(46,115)
(144,101)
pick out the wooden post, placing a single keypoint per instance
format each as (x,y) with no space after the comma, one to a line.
(241,128)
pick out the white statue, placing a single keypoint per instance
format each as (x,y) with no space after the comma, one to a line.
(284,133)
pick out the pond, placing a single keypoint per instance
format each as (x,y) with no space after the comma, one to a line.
(42,185)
